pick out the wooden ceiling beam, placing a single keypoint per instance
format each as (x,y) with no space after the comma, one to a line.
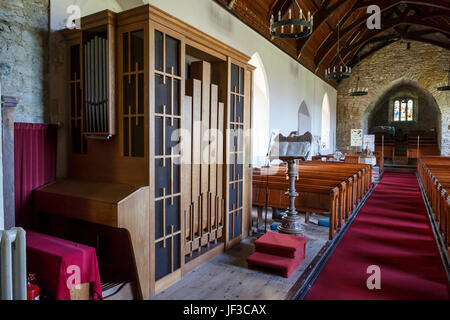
(411,20)
(391,39)
(231,4)
(280,6)
(320,17)
(331,41)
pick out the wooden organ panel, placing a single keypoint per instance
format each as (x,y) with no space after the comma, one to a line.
(78,142)
(236,152)
(170,79)
(132,81)
(165,156)
(204,215)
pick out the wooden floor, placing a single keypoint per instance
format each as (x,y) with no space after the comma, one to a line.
(227,277)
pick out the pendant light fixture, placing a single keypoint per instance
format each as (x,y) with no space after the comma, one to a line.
(358,91)
(296,26)
(446,86)
(340,70)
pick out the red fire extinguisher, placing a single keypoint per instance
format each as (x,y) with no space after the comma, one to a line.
(32,287)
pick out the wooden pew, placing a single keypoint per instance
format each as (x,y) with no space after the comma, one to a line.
(422,144)
(434,172)
(354,158)
(389,145)
(323,187)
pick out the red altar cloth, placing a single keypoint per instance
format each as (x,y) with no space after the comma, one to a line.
(50,258)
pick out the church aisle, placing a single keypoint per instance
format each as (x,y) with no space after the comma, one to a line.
(393,232)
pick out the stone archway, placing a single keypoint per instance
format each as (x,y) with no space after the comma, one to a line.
(398,85)
(304,119)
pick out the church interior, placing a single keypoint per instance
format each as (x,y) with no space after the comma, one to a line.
(224,150)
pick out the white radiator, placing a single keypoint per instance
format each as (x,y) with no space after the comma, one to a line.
(13,271)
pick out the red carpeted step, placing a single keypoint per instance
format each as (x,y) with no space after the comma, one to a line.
(282,264)
(283,245)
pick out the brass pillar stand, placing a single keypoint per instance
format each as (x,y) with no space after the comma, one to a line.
(291,222)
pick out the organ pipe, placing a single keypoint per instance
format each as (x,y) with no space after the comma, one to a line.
(96,85)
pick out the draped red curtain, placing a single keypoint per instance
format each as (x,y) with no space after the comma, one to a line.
(34,165)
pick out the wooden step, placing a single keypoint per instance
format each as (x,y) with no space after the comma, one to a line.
(284,266)
(283,245)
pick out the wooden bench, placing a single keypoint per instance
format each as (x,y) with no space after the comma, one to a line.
(434,172)
(422,144)
(389,145)
(336,188)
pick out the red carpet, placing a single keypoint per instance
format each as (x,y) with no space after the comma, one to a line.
(391,231)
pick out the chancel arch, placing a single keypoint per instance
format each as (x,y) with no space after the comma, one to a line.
(417,110)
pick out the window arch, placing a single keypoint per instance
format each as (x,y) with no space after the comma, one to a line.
(326,124)
(304,119)
(403,110)
(260,116)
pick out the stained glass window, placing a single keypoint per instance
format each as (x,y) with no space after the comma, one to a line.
(410,110)
(397,111)
(403,111)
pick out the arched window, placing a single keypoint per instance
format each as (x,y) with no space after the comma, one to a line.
(404,110)
(260,114)
(326,124)
(304,119)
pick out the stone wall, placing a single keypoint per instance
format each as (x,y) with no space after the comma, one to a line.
(423,66)
(24,56)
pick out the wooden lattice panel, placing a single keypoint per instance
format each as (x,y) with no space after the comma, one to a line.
(78,141)
(236,153)
(132,110)
(167,119)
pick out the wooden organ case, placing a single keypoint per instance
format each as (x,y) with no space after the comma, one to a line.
(181,103)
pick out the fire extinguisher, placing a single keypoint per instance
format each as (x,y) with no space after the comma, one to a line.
(32,287)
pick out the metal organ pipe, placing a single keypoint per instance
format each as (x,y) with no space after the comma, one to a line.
(96,79)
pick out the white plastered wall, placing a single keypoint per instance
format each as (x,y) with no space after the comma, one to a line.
(289,83)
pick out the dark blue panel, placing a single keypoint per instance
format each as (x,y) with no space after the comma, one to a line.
(158,136)
(176,97)
(230,226)
(173,215)
(237,223)
(163,257)
(239,109)
(158,51)
(172,134)
(232,114)
(240,202)
(158,219)
(172,55)
(234,77)
(162,94)
(162,177)
(129,94)
(233,197)
(242,81)
(125,51)
(137,137)
(137,50)
(162,260)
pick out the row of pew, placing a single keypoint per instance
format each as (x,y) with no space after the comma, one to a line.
(434,172)
(323,187)
(422,144)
